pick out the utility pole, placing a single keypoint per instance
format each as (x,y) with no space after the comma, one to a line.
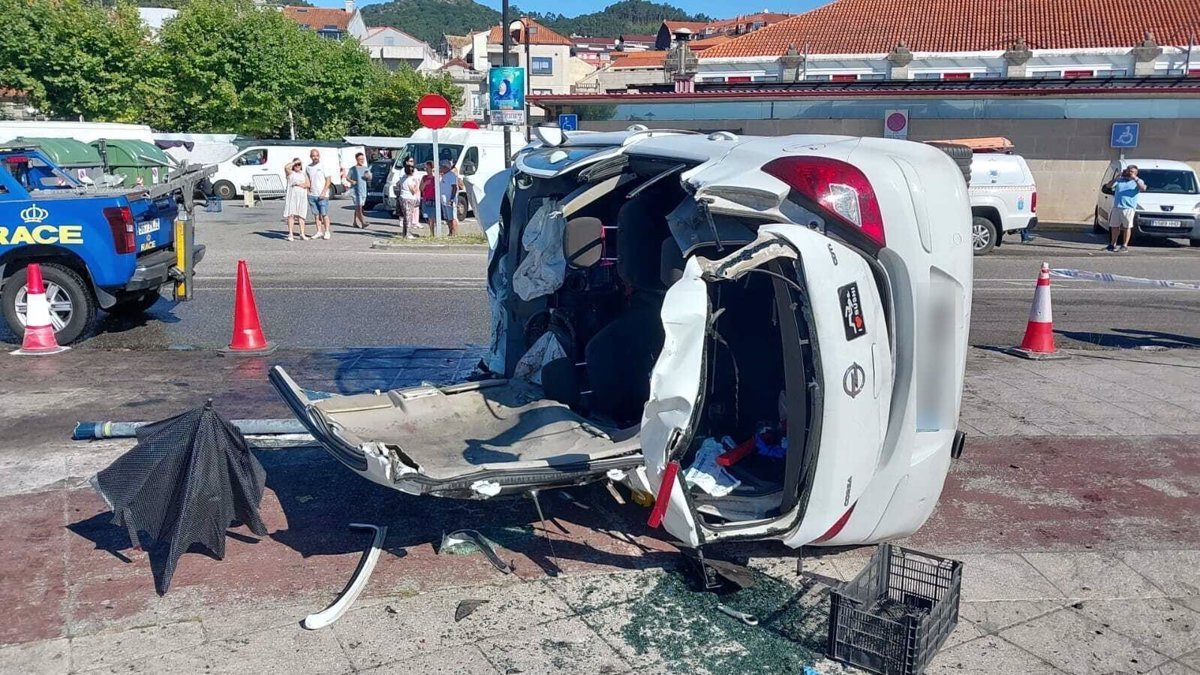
(504,60)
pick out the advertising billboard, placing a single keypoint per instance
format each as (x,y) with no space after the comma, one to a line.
(506,95)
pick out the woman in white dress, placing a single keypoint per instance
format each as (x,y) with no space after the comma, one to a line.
(295,206)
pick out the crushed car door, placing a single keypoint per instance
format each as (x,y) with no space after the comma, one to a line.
(850,381)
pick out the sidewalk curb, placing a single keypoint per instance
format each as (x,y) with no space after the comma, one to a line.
(433,248)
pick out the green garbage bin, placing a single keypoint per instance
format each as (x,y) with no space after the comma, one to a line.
(133,159)
(75,157)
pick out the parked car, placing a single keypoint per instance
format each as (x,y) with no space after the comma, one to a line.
(379,175)
(1003,199)
(478,154)
(98,249)
(1168,209)
(662,297)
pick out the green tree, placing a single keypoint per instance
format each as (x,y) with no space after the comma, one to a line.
(75,58)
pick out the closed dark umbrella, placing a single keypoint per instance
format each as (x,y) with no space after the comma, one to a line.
(185,482)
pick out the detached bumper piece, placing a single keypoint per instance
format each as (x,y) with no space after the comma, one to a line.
(358,582)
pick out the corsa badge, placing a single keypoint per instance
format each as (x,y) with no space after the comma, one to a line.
(852,314)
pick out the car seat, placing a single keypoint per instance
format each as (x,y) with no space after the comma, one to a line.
(621,355)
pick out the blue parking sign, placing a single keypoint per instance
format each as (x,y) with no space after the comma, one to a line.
(568,122)
(1124,134)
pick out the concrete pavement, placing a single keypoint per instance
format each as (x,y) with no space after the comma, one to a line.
(1075,509)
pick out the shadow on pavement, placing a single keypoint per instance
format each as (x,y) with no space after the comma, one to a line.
(319,497)
(1133,338)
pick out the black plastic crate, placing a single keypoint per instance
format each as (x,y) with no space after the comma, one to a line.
(896,613)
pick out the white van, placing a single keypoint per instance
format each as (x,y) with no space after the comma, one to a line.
(1168,209)
(267,158)
(1003,198)
(478,154)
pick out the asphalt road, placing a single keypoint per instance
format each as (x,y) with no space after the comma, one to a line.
(343,293)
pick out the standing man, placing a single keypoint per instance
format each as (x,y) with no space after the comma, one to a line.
(450,197)
(319,187)
(1125,189)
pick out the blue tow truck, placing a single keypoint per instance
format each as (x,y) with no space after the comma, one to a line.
(108,249)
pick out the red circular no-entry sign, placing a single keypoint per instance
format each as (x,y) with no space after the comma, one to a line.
(433,111)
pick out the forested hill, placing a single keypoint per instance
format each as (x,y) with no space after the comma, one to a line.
(430,19)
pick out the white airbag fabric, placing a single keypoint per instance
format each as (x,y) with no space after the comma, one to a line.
(545,265)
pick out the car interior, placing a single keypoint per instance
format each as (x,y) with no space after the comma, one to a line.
(622,244)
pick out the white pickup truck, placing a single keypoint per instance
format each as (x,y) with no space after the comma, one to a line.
(1003,199)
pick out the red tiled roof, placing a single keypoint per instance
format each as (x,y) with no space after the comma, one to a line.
(13,94)
(767,18)
(708,43)
(456,62)
(540,36)
(871,26)
(650,59)
(317,18)
(694,26)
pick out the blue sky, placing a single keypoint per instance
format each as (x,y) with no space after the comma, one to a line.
(717,8)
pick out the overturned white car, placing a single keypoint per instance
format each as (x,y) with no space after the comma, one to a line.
(768,334)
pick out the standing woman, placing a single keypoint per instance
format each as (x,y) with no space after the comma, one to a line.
(410,199)
(358,175)
(295,206)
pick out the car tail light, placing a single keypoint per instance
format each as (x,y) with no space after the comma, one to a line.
(120,221)
(841,190)
(1033,203)
(837,527)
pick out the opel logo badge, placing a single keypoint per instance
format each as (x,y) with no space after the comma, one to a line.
(854,380)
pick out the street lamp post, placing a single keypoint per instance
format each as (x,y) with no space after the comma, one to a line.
(520,29)
(507,46)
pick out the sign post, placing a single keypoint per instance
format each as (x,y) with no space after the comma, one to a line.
(1124,136)
(434,112)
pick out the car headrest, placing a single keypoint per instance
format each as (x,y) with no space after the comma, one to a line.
(582,241)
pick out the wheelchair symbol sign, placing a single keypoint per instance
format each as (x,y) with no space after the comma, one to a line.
(1125,135)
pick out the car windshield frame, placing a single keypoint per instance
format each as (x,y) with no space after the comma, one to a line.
(1157,179)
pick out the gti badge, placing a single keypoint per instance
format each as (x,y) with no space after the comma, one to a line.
(34,214)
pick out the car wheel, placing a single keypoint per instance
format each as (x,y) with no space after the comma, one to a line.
(1096,226)
(983,235)
(224,189)
(1194,242)
(135,303)
(462,207)
(72,305)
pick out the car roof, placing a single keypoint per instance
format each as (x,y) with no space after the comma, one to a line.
(1168,164)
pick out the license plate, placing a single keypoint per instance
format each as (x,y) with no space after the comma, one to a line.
(148,226)
(1168,223)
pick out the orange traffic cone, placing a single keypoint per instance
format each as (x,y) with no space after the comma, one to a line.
(39,336)
(248,338)
(1038,343)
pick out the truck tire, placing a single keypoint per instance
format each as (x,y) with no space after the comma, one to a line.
(983,235)
(225,190)
(1096,226)
(72,305)
(135,303)
(961,154)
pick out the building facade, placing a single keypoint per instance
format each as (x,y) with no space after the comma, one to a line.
(854,40)
(393,48)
